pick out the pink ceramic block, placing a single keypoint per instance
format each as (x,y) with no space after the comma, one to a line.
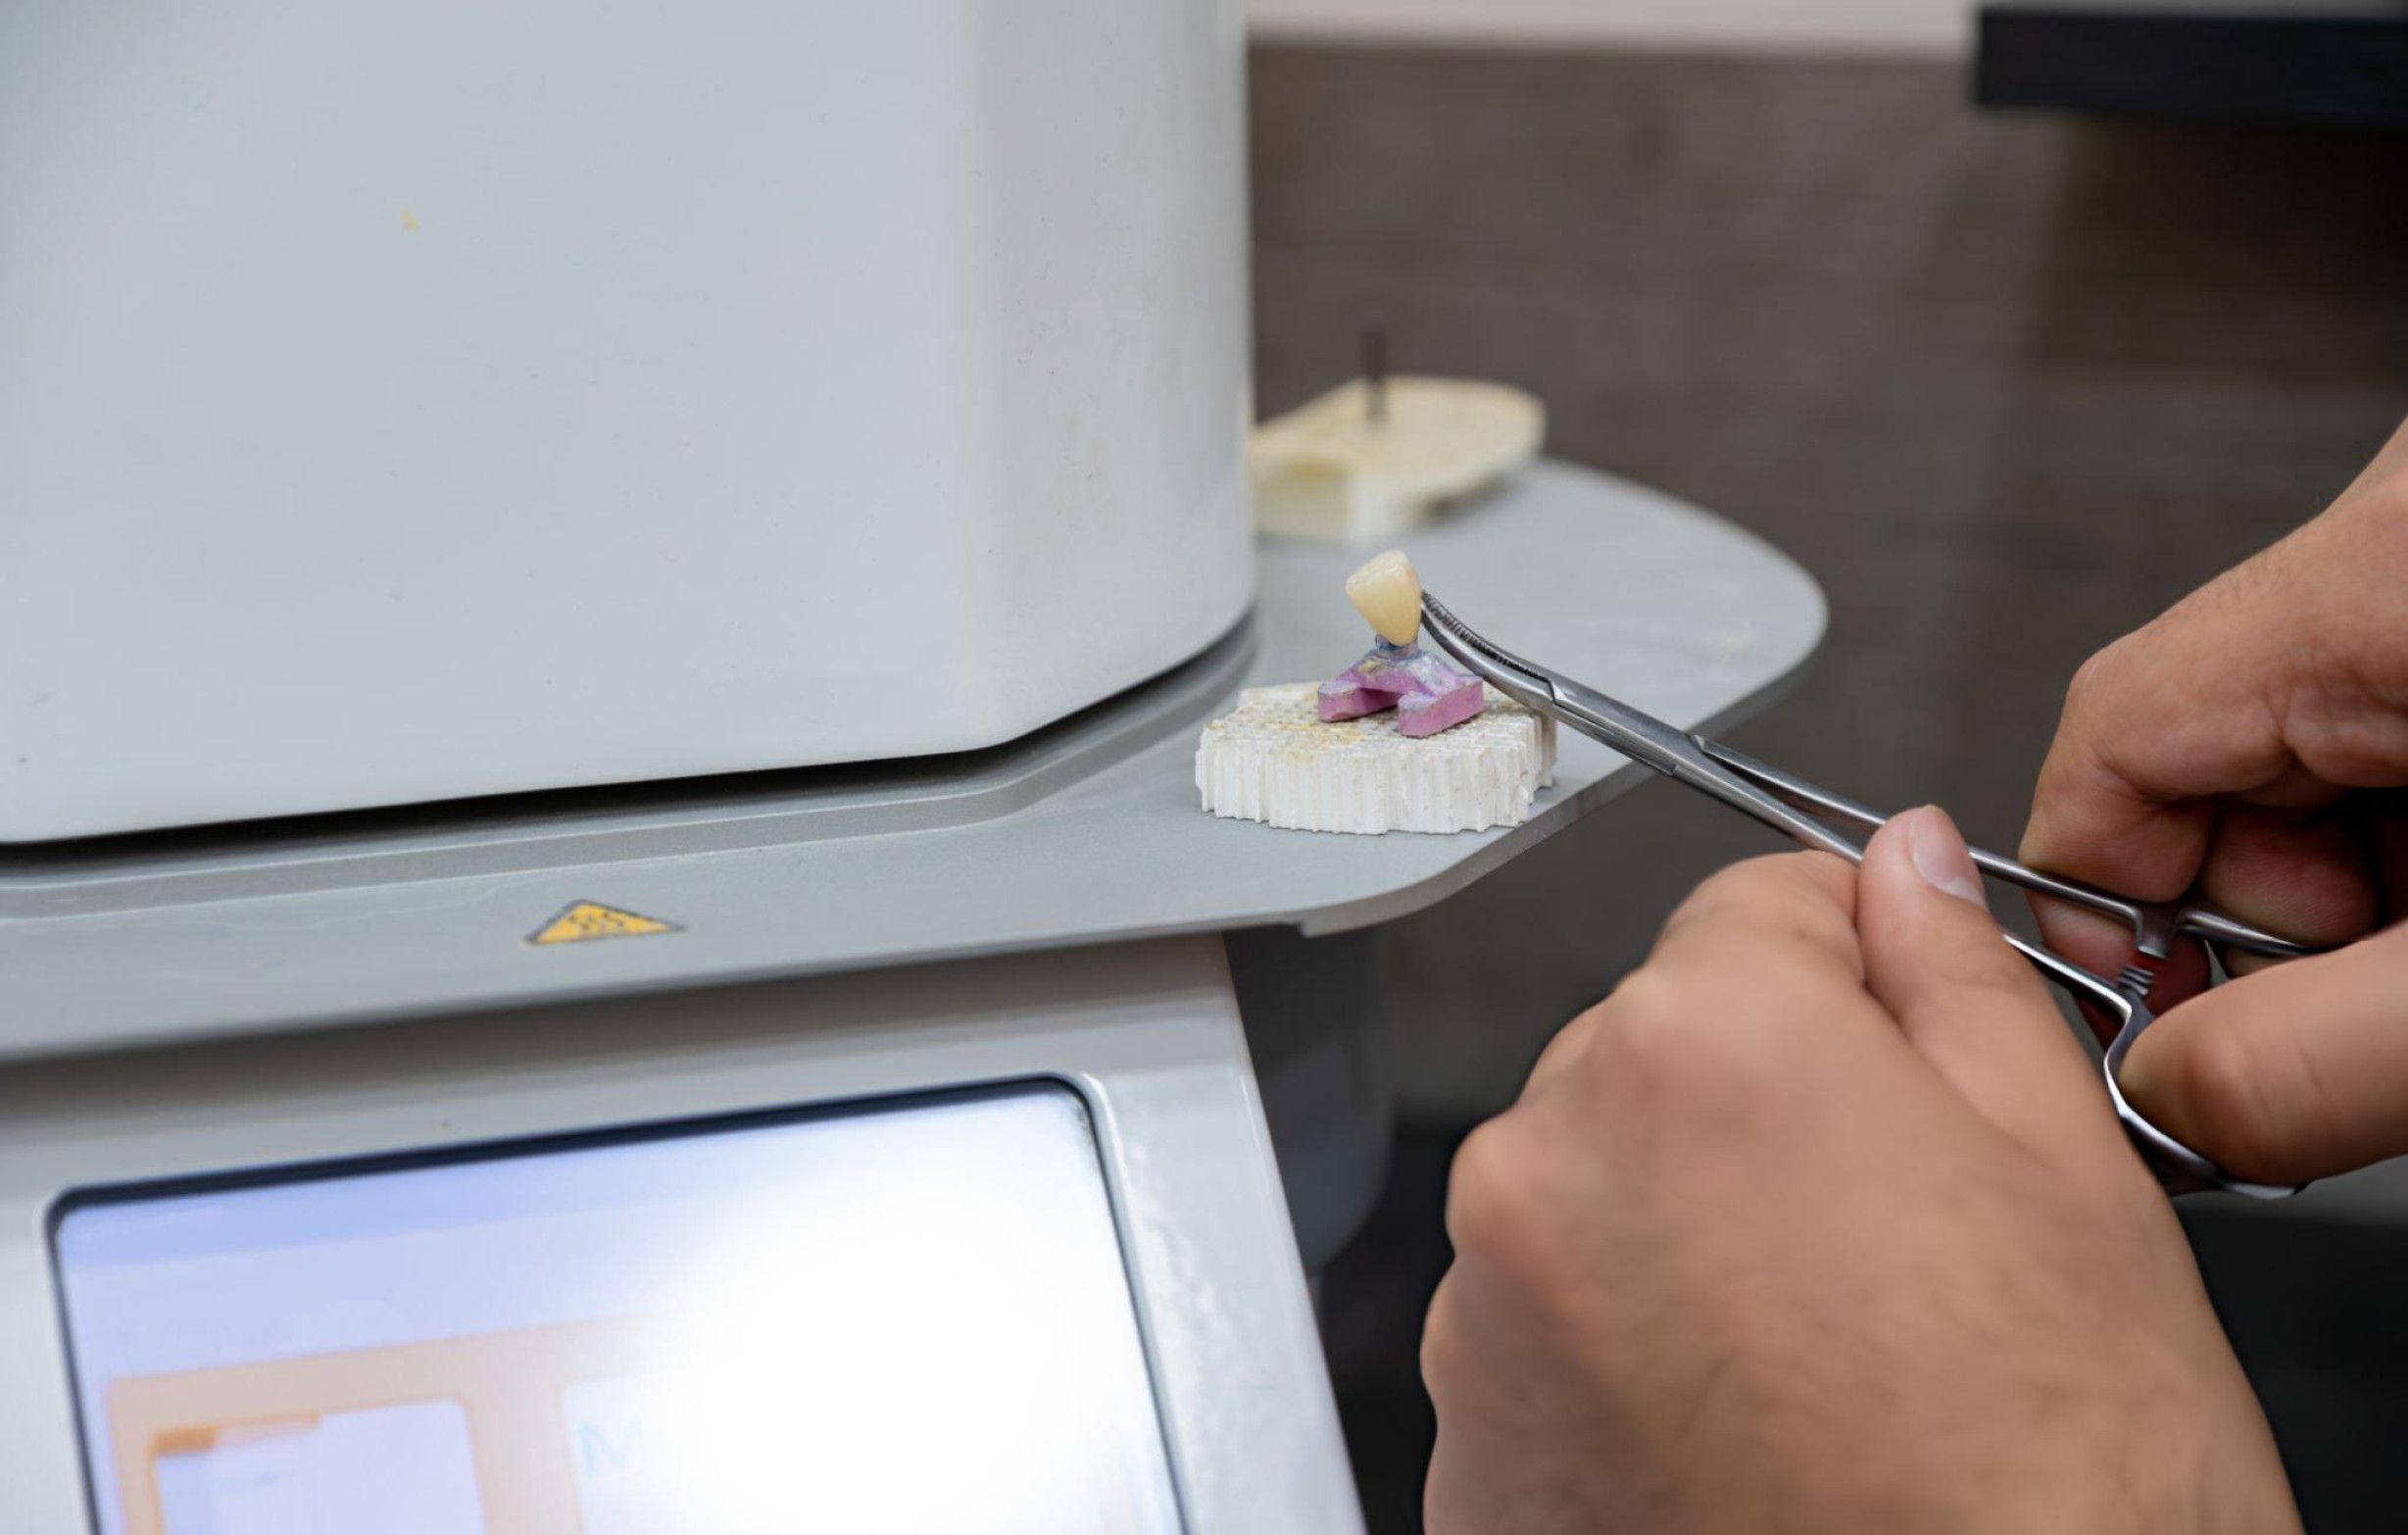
(1427,713)
(1347,698)
(1429,693)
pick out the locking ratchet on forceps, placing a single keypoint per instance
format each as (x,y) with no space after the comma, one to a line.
(1804,811)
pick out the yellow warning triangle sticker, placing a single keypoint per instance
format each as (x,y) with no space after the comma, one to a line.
(581,921)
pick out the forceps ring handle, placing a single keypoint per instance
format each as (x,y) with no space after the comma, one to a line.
(2178,1167)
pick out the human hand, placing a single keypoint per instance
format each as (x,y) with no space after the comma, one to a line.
(1822,1221)
(2248,744)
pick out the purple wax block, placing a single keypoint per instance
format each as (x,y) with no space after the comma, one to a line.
(1429,693)
(1427,713)
(1347,698)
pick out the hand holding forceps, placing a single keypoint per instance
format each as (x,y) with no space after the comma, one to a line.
(1791,804)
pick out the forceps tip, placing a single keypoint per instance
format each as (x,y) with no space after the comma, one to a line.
(1470,645)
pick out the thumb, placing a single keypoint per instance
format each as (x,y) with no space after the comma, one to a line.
(2295,1073)
(1935,957)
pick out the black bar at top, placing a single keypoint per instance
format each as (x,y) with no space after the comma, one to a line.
(2308,63)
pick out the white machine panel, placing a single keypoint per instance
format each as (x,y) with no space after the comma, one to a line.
(996,1247)
(404,402)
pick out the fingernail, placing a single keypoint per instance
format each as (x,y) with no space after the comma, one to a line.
(1939,856)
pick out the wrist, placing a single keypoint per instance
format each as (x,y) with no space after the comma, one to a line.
(2202,1461)
(2230,1478)
(2183,1451)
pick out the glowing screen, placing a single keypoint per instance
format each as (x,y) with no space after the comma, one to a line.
(911,1317)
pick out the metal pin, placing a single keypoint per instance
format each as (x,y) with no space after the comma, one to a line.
(1375,368)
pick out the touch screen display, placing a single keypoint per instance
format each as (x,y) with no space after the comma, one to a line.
(911,1317)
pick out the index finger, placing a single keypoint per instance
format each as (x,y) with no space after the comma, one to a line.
(1786,914)
(1802,901)
(2278,683)
(2154,727)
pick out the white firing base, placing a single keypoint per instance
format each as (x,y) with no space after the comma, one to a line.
(1275,760)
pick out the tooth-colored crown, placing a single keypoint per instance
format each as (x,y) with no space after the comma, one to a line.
(1388,594)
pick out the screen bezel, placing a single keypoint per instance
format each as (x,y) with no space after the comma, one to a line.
(338,1168)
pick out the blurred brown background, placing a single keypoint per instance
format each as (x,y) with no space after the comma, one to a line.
(2007,385)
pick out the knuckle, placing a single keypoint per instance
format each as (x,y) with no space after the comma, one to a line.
(1767,881)
(1650,1000)
(1500,1213)
(1804,896)
(1442,1351)
(1720,896)
(1484,1191)
(2098,693)
(1571,1043)
(1656,1053)
(2095,676)
(1675,1035)
(1645,1029)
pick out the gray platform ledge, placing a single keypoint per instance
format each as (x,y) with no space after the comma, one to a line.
(1085,833)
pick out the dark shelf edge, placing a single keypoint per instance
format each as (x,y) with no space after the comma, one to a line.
(2292,66)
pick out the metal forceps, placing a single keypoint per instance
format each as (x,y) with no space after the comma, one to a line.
(1792,806)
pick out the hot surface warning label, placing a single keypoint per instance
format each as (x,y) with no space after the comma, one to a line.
(582,921)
